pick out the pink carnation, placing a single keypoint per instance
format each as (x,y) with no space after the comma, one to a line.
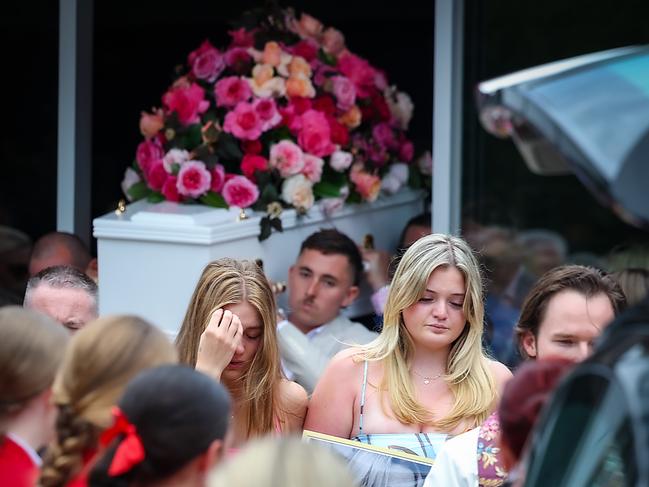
(193,179)
(312,168)
(359,71)
(315,134)
(240,191)
(344,91)
(267,111)
(156,175)
(384,136)
(170,189)
(287,157)
(207,62)
(218,178)
(251,163)
(188,101)
(243,122)
(406,151)
(231,90)
(148,152)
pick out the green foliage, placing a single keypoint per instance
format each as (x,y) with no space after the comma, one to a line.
(213,199)
(155,197)
(138,191)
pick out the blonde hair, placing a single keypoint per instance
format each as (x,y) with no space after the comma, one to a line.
(100,361)
(228,281)
(288,462)
(468,374)
(31,350)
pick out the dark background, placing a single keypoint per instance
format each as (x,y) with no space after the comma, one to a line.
(138,43)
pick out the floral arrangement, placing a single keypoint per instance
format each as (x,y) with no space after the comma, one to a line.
(283,117)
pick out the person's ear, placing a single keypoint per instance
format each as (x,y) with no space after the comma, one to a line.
(213,455)
(529,344)
(352,294)
(92,271)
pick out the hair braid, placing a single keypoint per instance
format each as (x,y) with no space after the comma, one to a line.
(65,456)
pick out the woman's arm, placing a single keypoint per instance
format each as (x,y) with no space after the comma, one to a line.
(331,410)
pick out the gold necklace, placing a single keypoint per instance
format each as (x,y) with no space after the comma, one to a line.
(427,379)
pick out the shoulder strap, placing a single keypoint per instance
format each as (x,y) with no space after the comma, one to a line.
(362,405)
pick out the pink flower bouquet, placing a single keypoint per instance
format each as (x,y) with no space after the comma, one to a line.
(285,116)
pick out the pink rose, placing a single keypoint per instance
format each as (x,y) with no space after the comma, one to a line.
(156,175)
(237,59)
(287,158)
(146,153)
(315,134)
(406,151)
(341,160)
(188,101)
(243,122)
(384,136)
(306,48)
(322,72)
(231,90)
(242,38)
(308,26)
(207,62)
(333,41)
(170,189)
(218,178)
(359,71)
(251,163)
(344,91)
(312,168)
(151,123)
(193,179)
(239,191)
(251,147)
(267,111)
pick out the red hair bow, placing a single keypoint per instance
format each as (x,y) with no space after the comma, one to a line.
(130,450)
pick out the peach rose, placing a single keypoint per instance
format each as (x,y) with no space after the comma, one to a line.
(333,41)
(272,54)
(351,118)
(262,73)
(368,185)
(309,26)
(299,86)
(151,123)
(299,67)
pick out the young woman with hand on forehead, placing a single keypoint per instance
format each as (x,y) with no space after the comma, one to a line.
(426,376)
(229,333)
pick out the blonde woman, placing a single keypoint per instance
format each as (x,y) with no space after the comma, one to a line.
(31,350)
(229,332)
(99,362)
(426,376)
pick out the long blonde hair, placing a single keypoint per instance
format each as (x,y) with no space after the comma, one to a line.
(31,350)
(467,374)
(100,361)
(228,281)
(286,462)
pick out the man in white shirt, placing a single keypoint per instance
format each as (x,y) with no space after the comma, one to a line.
(322,282)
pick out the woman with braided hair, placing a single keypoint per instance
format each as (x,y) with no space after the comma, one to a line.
(31,350)
(100,361)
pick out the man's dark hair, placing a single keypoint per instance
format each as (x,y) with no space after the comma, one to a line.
(331,241)
(61,276)
(421,220)
(584,280)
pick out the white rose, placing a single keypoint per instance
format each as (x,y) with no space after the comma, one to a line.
(399,171)
(401,106)
(298,191)
(130,178)
(425,163)
(390,184)
(341,160)
(329,206)
(274,87)
(174,156)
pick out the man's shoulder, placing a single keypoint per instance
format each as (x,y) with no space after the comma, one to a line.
(343,327)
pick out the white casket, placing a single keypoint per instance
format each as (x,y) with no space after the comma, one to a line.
(151,256)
